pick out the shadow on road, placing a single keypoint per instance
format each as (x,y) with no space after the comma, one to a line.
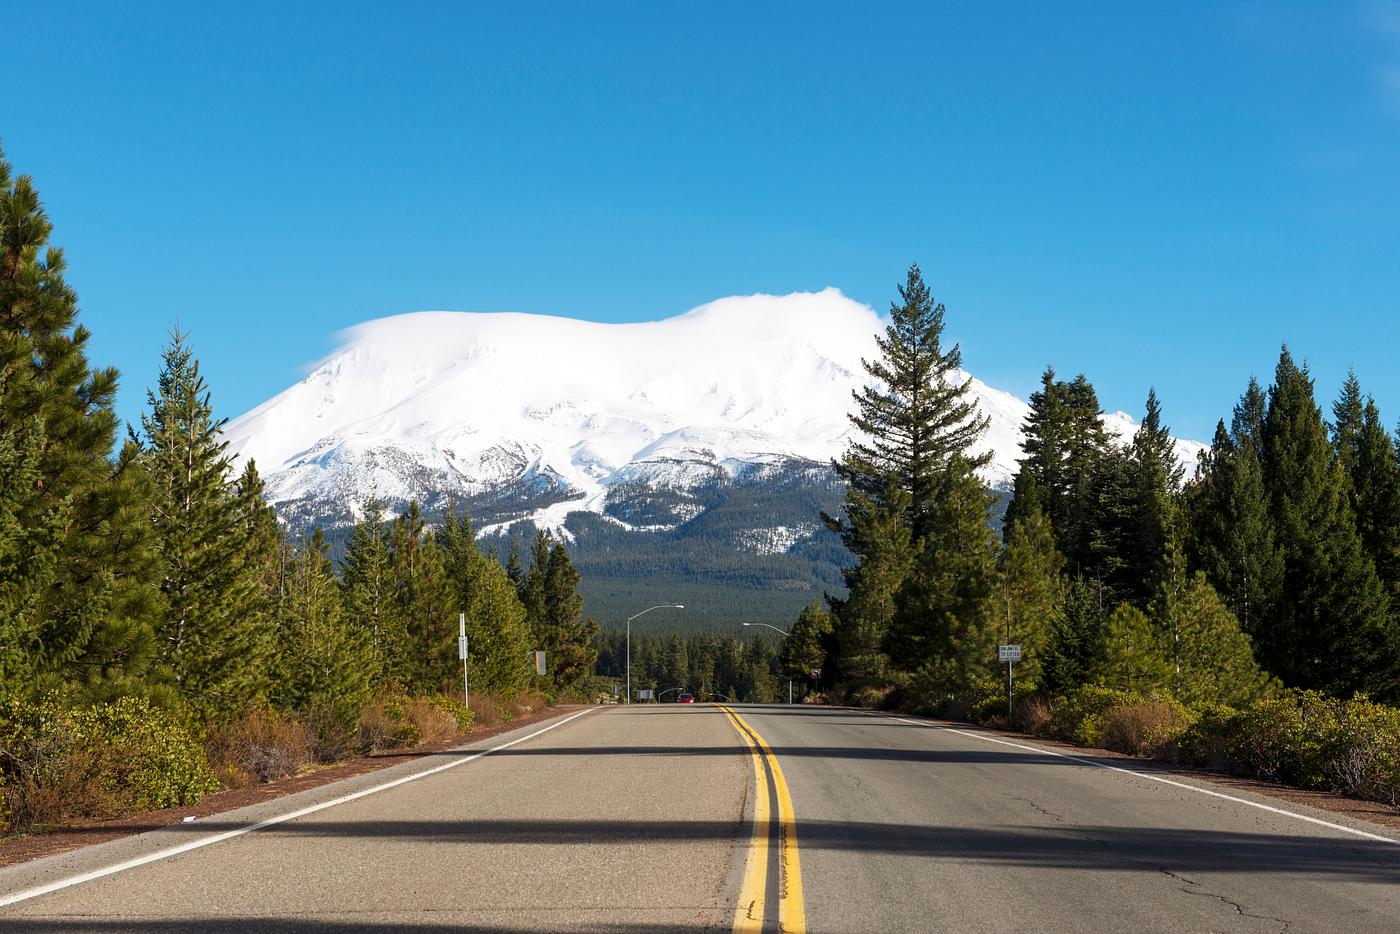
(1098,848)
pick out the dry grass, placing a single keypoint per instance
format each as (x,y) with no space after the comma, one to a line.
(1145,727)
(432,721)
(1032,714)
(260,746)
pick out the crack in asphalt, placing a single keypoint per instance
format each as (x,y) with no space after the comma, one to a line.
(1239,909)
(1051,814)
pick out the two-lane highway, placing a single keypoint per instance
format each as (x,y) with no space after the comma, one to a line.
(688,818)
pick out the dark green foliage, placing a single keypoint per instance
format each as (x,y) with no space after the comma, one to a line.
(424,600)
(875,530)
(1332,627)
(1075,641)
(808,642)
(1031,588)
(497,626)
(215,630)
(321,663)
(1372,461)
(915,414)
(1064,445)
(76,580)
(716,667)
(369,598)
(567,634)
(943,628)
(1231,531)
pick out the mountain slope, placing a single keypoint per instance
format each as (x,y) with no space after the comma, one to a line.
(632,436)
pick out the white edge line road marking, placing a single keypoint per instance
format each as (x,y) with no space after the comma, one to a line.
(168,852)
(1155,778)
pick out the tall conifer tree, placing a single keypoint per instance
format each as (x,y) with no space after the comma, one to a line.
(79,584)
(216,630)
(1332,629)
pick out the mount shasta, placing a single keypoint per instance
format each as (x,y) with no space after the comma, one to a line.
(687,459)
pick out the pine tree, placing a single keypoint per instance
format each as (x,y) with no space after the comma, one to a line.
(1132,653)
(1032,586)
(916,413)
(1332,629)
(533,588)
(1215,656)
(79,590)
(321,661)
(216,629)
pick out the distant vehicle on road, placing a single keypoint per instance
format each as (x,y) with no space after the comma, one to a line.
(686,699)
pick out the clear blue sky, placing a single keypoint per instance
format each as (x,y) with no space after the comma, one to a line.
(1151,196)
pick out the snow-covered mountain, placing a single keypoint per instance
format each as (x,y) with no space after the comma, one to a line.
(546,417)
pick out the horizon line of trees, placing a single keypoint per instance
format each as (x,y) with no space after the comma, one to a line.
(148,569)
(1276,562)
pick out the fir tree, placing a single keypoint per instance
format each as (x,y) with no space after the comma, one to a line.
(1375,497)
(1332,628)
(874,530)
(216,629)
(425,602)
(568,635)
(80,589)
(1231,532)
(916,413)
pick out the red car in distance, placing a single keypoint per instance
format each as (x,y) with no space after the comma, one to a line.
(686,699)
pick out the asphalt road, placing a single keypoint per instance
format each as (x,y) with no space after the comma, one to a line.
(680,818)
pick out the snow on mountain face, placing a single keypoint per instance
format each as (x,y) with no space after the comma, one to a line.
(466,403)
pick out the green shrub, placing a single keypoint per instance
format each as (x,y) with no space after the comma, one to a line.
(1361,755)
(104,760)
(384,724)
(1146,726)
(1207,741)
(1077,717)
(458,710)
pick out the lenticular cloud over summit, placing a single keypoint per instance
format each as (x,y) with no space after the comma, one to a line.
(555,414)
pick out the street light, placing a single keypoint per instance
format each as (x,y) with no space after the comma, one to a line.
(660,606)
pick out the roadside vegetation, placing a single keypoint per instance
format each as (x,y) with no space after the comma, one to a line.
(160,636)
(1241,613)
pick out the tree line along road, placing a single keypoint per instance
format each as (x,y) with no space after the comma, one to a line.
(745,818)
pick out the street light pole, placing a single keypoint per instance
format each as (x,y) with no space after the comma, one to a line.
(659,606)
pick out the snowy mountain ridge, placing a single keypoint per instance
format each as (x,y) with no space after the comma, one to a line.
(563,416)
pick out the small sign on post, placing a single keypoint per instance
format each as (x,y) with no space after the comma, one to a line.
(537,659)
(1009,654)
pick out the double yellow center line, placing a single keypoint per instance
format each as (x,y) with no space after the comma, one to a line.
(792,911)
